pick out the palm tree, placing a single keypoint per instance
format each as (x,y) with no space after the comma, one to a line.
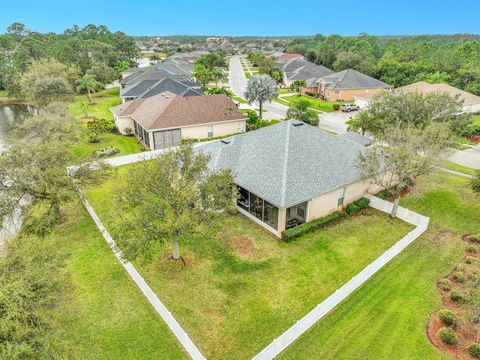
(202,75)
(88,84)
(300,110)
(260,88)
(217,75)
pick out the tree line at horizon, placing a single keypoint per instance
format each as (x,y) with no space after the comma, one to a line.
(399,61)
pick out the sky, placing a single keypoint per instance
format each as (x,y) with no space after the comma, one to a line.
(247,17)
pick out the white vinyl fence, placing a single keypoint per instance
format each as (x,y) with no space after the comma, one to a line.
(166,315)
(322,309)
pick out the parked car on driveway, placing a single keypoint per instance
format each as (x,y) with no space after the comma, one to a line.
(349,107)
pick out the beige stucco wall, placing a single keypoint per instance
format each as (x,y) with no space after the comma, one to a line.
(123,122)
(347,94)
(219,129)
(327,203)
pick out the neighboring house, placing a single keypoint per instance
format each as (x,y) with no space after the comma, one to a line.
(471,102)
(301,69)
(287,57)
(348,84)
(165,119)
(167,76)
(290,173)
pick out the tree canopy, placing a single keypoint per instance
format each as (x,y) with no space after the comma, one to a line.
(260,88)
(171,198)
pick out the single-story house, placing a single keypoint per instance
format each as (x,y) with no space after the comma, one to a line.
(357,138)
(471,102)
(287,57)
(163,120)
(290,173)
(149,87)
(301,69)
(173,68)
(347,84)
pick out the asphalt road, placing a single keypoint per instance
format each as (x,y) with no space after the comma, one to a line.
(334,122)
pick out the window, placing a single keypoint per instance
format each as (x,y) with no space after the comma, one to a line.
(210,131)
(256,206)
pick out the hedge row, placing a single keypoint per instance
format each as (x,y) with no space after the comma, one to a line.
(297,231)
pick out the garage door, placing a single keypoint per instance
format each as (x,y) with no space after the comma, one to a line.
(167,138)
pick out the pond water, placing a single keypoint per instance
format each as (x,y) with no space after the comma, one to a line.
(11,114)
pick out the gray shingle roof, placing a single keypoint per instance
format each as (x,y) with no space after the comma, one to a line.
(287,164)
(352,79)
(357,138)
(300,69)
(148,88)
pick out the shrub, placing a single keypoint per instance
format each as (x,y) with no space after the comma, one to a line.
(457,296)
(475,238)
(474,351)
(459,277)
(336,107)
(297,231)
(384,194)
(472,249)
(311,93)
(128,131)
(470,259)
(461,267)
(357,205)
(447,317)
(444,284)
(447,336)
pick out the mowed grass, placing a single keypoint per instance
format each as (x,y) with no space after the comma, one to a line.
(317,104)
(101,313)
(103,100)
(242,287)
(387,317)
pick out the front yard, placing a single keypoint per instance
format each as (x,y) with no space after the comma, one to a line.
(318,104)
(241,286)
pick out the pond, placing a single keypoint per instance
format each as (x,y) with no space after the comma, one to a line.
(11,114)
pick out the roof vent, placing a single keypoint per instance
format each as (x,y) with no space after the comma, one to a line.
(297,123)
(226,141)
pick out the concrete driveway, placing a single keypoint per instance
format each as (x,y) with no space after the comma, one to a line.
(469,157)
(336,121)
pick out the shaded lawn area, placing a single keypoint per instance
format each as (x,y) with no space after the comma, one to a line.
(103,101)
(101,313)
(242,287)
(318,104)
(387,317)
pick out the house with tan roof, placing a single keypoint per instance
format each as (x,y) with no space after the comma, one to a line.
(163,120)
(471,102)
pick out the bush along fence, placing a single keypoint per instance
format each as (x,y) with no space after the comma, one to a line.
(322,309)
(297,231)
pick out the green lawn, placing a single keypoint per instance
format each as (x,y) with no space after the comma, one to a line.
(387,317)
(100,313)
(234,303)
(460,168)
(280,101)
(248,75)
(317,104)
(239,99)
(284,91)
(103,101)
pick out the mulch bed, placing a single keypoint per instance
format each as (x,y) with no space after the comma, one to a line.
(465,330)
(475,139)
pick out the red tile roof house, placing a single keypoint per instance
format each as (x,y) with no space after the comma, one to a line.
(165,119)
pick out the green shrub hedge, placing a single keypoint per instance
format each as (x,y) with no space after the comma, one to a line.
(447,317)
(458,296)
(444,284)
(297,231)
(474,351)
(447,336)
(357,205)
(475,238)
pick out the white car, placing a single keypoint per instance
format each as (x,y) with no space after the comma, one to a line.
(349,107)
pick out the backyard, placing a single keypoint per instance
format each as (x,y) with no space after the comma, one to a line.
(241,286)
(318,104)
(102,101)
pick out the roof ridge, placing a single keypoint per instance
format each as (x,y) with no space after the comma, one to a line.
(285,167)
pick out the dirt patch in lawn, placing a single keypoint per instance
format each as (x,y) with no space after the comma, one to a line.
(465,329)
(245,247)
(88,117)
